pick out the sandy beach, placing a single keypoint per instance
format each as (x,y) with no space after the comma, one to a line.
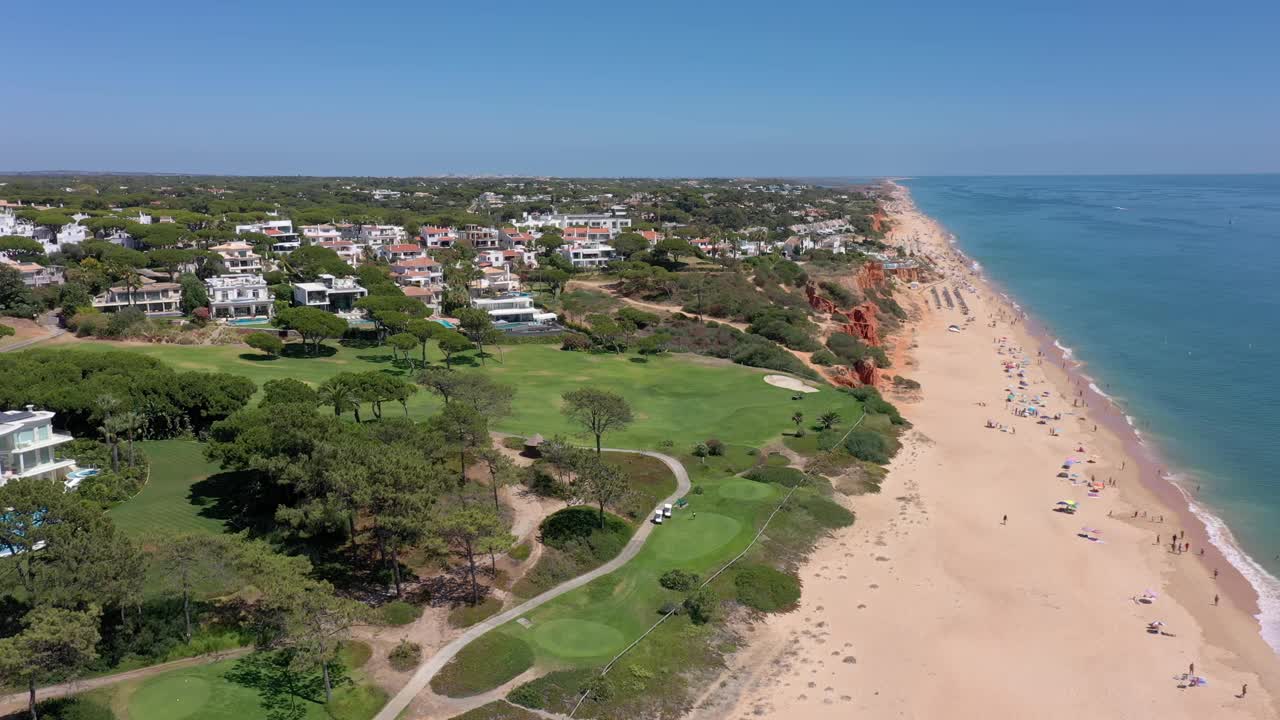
(932,605)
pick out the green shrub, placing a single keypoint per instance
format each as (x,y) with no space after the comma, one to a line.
(468,615)
(581,524)
(785,476)
(702,605)
(841,295)
(72,708)
(679,580)
(575,342)
(869,445)
(715,447)
(484,664)
(823,358)
(766,589)
(405,656)
(398,612)
(520,552)
(905,383)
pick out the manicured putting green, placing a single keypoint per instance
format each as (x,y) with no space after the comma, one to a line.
(174,696)
(746,490)
(685,536)
(578,638)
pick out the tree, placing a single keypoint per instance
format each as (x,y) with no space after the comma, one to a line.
(554,278)
(549,242)
(828,420)
(488,397)
(194,294)
(654,344)
(16,299)
(288,390)
(341,393)
(314,325)
(462,428)
(6,331)
(441,381)
(601,483)
(267,343)
(188,561)
(313,623)
(467,531)
(609,332)
(502,471)
(451,343)
(797,417)
(403,343)
(423,330)
(629,243)
(21,249)
(477,325)
(597,411)
(53,641)
(170,260)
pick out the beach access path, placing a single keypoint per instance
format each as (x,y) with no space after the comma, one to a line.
(422,676)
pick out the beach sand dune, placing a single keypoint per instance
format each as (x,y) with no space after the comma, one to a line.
(931,606)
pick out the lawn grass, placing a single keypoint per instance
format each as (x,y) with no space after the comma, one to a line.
(482,665)
(467,615)
(498,710)
(677,397)
(235,690)
(171,500)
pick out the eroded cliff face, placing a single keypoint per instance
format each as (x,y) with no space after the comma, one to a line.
(859,321)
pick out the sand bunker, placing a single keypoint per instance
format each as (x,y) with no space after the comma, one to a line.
(789,383)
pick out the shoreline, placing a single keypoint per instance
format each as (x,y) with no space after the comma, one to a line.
(1177,499)
(940,607)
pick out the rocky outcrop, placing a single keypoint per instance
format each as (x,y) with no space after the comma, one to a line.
(859,321)
(870,276)
(864,372)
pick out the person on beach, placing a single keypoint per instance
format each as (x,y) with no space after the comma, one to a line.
(1215,573)
(1215,600)
(1244,689)
(1004,520)
(1157,539)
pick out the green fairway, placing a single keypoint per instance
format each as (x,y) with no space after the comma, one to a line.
(171,500)
(679,398)
(685,537)
(578,638)
(746,490)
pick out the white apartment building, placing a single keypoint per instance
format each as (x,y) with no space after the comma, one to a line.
(382,234)
(283,239)
(615,222)
(321,233)
(11,224)
(33,275)
(239,258)
(333,294)
(480,237)
(240,297)
(588,255)
(29,446)
(438,237)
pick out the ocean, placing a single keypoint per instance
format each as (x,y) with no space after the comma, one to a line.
(1167,288)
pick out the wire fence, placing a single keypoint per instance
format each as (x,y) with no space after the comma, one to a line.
(585,693)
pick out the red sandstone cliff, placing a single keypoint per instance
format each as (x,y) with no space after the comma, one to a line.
(859,321)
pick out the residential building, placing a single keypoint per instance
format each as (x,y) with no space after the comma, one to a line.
(156,299)
(588,255)
(351,253)
(33,275)
(494,280)
(614,222)
(583,234)
(418,271)
(480,237)
(283,239)
(385,194)
(398,252)
(321,233)
(11,224)
(513,308)
(382,234)
(240,296)
(438,237)
(515,239)
(334,294)
(239,258)
(29,446)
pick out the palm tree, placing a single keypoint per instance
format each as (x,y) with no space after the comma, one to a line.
(797,417)
(130,421)
(828,420)
(341,394)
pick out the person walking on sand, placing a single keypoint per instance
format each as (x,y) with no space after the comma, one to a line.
(1215,601)
(1004,520)
(1244,689)
(1193,668)
(1215,573)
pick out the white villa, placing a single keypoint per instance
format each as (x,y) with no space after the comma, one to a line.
(156,299)
(242,296)
(588,255)
(513,307)
(239,257)
(614,223)
(334,294)
(28,446)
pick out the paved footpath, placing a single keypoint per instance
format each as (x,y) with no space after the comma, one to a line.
(428,670)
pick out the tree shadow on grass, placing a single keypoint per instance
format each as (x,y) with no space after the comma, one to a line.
(302,351)
(234,497)
(258,357)
(283,692)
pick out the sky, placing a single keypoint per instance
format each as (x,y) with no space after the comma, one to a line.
(658,88)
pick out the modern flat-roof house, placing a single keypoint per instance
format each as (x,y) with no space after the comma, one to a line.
(240,297)
(239,258)
(513,308)
(402,251)
(614,223)
(321,233)
(382,234)
(28,446)
(334,294)
(422,270)
(156,299)
(481,238)
(494,280)
(438,237)
(588,255)
(283,239)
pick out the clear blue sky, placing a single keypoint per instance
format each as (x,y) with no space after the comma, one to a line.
(641,88)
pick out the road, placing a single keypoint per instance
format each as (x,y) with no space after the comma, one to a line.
(49,323)
(433,665)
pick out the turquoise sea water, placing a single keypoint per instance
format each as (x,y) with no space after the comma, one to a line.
(1168,289)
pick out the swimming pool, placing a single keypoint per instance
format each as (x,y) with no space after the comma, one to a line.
(445,323)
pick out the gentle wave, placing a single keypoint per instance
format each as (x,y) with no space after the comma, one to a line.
(1067,353)
(1266,585)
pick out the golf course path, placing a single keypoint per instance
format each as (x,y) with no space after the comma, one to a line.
(427,670)
(18,701)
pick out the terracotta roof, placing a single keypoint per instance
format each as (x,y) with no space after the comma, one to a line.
(403,248)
